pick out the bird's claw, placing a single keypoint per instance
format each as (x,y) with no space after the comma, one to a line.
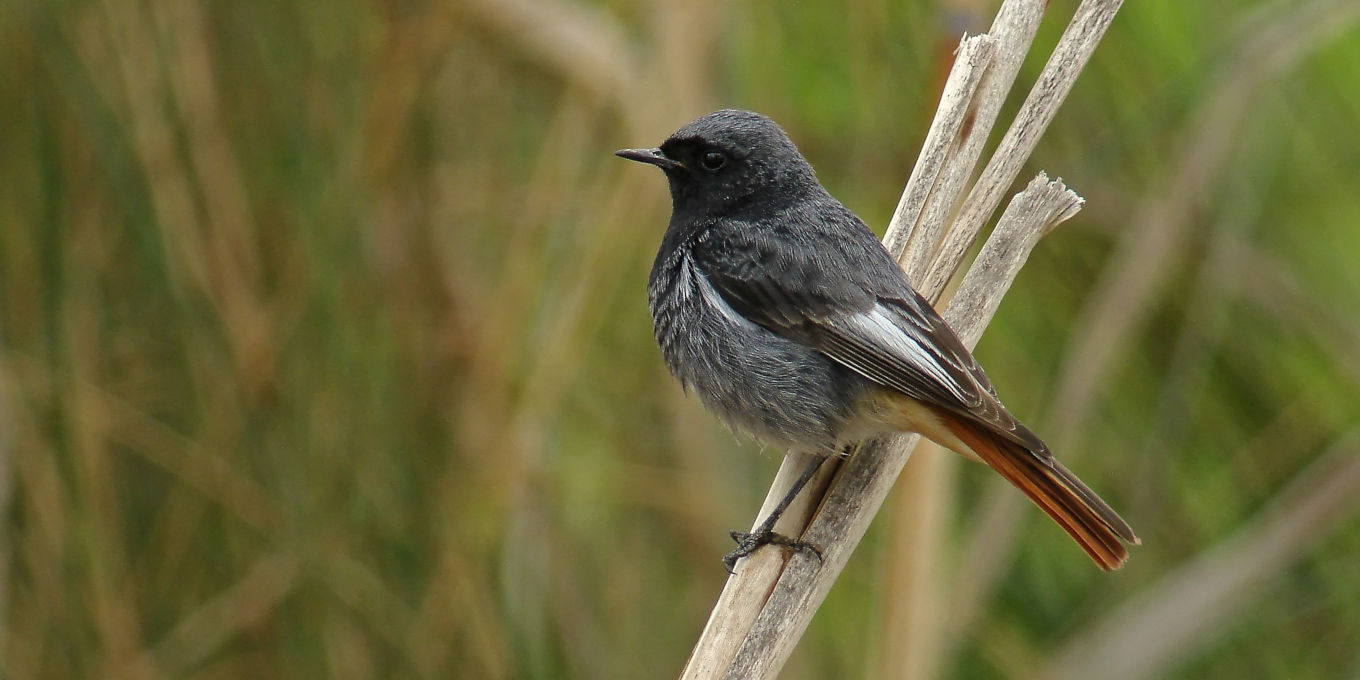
(748,543)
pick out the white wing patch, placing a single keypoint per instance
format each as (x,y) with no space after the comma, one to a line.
(877,327)
(715,300)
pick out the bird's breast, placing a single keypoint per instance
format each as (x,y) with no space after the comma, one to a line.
(783,392)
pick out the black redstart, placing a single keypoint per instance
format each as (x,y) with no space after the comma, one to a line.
(781,310)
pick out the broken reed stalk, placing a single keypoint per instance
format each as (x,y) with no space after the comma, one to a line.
(765,607)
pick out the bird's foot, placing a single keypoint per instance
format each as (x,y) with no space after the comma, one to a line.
(749,543)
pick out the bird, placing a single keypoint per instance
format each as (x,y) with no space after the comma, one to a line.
(781,310)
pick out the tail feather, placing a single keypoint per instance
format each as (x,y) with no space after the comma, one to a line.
(1079,511)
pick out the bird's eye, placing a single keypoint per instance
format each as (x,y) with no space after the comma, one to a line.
(713,160)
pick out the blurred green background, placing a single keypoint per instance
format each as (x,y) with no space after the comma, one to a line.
(326,351)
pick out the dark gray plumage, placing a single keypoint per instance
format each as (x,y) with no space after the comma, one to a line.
(783,312)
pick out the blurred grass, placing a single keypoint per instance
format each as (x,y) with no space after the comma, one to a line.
(326,351)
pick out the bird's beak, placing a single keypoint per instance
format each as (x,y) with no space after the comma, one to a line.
(651,156)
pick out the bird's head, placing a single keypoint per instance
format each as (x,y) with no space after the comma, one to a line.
(727,160)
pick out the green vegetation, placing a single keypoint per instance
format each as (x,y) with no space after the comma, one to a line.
(326,353)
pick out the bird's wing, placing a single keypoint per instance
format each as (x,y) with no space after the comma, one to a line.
(858,309)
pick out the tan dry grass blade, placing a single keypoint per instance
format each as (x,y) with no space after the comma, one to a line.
(1157,629)
(586,46)
(204,632)
(911,639)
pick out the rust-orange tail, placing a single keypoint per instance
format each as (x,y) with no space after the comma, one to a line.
(1077,509)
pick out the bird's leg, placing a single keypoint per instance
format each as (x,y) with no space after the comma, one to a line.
(764,534)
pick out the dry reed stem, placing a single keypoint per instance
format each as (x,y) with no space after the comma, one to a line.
(1074,49)
(971,60)
(1012,33)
